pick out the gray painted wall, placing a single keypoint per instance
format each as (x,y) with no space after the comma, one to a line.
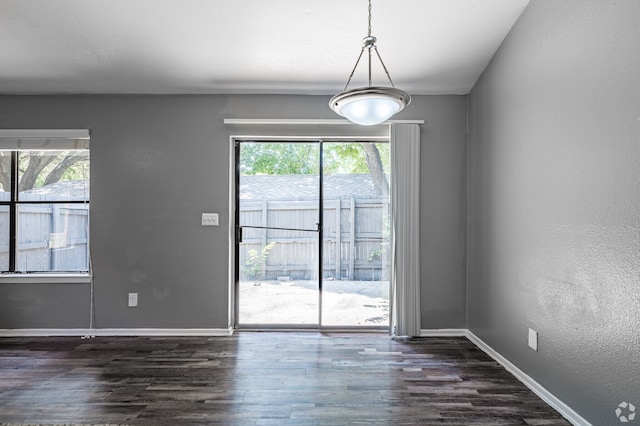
(554,201)
(158,162)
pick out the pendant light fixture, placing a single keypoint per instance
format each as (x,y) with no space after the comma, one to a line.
(370,105)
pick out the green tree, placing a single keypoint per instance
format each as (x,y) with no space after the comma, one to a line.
(338,158)
(278,159)
(374,162)
(43,168)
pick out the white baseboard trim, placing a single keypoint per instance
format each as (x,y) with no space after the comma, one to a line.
(142,332)
(443,332)
(534,386)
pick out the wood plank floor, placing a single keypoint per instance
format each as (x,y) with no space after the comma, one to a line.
(268,378)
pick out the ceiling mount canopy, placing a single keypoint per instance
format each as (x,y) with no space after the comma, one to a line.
(369,105)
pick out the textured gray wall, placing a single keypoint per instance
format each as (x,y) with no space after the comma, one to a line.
(158,162)
(554,201)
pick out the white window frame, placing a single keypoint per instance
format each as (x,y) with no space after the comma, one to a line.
(31,139)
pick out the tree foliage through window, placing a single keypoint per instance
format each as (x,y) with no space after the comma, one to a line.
(43,168)
(339,158)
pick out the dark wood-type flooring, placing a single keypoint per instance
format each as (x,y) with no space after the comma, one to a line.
(268,378)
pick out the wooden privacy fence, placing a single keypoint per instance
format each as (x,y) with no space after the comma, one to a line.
(355,240)
(51,237)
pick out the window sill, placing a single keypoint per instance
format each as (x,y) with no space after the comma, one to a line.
(45,278)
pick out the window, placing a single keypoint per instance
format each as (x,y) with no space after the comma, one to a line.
(44,204)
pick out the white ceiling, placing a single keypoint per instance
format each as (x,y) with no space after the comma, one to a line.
(245,46)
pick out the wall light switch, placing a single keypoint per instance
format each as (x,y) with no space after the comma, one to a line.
(210,219)
(533,339)
(133,300)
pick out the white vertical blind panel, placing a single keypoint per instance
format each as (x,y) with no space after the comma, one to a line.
(405,240)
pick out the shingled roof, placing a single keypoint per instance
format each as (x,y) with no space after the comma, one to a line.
(305,187)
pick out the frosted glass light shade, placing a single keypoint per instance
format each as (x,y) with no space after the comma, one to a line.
(370,105)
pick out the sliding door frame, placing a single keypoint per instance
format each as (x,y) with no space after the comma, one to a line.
(234,233)
(238,237)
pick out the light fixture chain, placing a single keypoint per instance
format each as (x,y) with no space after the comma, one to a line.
(368,106)
(369,31)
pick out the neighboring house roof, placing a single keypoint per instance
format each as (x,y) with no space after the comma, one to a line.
(254,187)
(305,187)
(70,189)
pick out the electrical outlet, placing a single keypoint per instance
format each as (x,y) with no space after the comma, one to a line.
(533,339)
(210,219)
(133,300)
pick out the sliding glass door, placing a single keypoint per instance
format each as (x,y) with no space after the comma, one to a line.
(278,224)
(355,279)
(283,242)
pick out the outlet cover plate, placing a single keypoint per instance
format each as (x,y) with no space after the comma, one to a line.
(133,300)
(533,339)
